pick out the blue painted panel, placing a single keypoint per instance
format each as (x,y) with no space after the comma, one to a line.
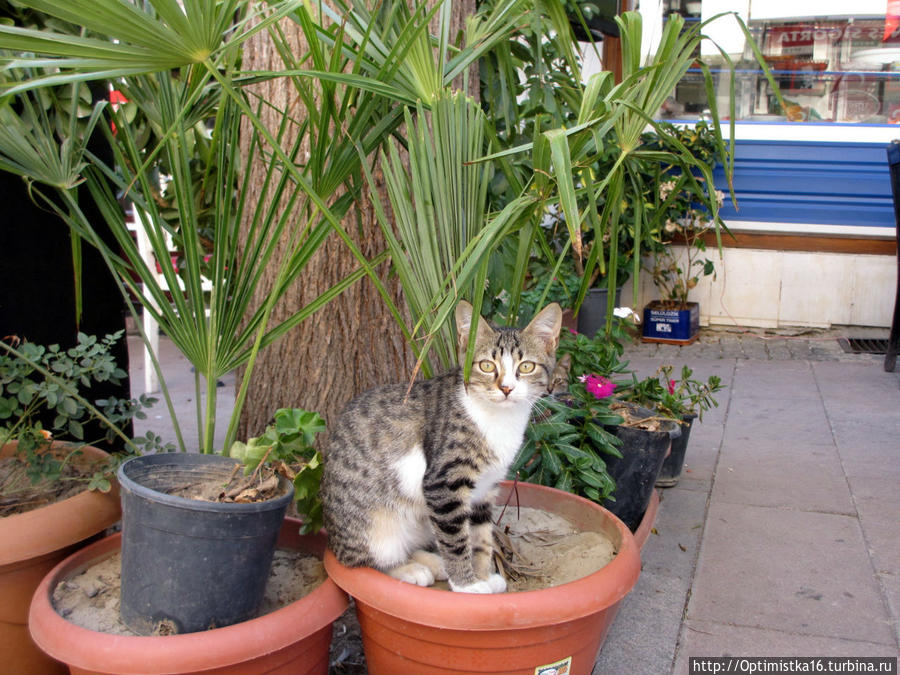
(810,182)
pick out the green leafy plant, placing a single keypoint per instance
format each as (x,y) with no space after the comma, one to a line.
(673,397)
(566,440)
(564,446)
(289,444)
(682,219)
(49,382)
(598,355)
(607,208)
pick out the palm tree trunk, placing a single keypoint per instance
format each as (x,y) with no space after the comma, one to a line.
(353,343)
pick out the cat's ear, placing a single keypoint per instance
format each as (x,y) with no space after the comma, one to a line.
(464,314)
(545,326)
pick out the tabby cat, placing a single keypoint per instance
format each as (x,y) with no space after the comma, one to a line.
(410,474)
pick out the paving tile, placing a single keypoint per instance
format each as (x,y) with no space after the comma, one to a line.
(800,350)
(777,421)
(701,456)
(891,585)
(787,570)
(672,551)
(806,477)
(710,350)
(754,350)
(760,379)
(705,638)
(778,350)
(861,428)
(850,382)
(878,490)
(643,636)
(180,381)
(881,529)
(732,350)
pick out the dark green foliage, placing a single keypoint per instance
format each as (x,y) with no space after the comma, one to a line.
(289,443)
(35,379)
(672,397)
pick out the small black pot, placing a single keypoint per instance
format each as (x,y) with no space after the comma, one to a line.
(191,565)
(671,468)
(635,473)
(592,314)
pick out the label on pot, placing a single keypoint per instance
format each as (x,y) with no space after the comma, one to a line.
(562,667)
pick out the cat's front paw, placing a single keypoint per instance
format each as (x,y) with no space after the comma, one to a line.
(497,583)
(493,584)
(413,573)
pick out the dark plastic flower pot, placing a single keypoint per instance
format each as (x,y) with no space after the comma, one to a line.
(635,473)
(592,314)
(292,640)
(191,565)
(673,464)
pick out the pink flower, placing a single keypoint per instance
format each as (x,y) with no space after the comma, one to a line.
(600,387)
(671,386)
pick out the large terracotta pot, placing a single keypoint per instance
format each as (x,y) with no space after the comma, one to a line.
(410,629)
(294,639)
(642,533)
(32,544)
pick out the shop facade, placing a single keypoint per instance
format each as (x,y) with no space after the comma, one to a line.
(813,234)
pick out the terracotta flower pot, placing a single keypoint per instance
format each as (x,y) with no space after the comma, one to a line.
(410,629)
(294,639)
(33,543)
(642,533)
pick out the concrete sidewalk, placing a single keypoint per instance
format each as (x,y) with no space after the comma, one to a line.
(782,537)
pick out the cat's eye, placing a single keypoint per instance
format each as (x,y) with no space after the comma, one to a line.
(487,366)
(526,367)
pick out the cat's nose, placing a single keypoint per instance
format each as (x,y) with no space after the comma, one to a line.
(506,390)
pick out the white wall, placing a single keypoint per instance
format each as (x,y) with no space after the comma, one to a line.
(773,289)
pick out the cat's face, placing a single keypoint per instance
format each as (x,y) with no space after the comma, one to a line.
(511,366)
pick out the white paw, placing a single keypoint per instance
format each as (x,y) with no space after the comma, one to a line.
(493,584)
(413,573)
(497,583)
(433,562)
(477,587)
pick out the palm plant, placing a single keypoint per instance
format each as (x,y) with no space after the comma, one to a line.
(180,63)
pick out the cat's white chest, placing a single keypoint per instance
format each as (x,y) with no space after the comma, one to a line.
(503,427)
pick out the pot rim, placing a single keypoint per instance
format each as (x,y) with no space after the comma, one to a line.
(129,484)
(672,426)
(661,304)
(522,609)
(60,524)
(128,655)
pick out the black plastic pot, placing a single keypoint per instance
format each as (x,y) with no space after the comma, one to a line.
(671,468)
(592,314)
(635,473)
(191,565)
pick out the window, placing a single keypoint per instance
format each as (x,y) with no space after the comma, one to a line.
(829,68)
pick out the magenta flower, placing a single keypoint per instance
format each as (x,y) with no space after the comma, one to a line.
(671,386)
(600,387)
